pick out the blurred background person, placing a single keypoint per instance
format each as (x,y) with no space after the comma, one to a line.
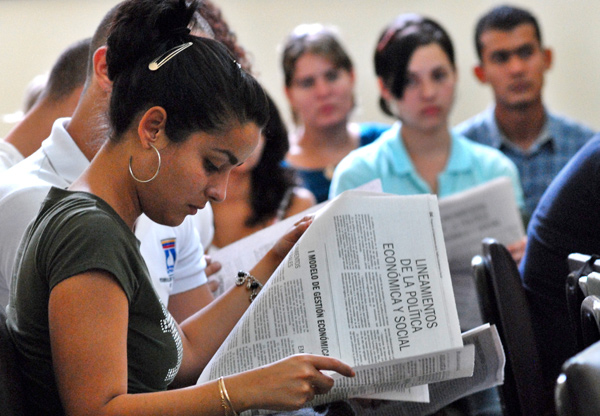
(34,91)
(319,85)
(513,61)
(58,98)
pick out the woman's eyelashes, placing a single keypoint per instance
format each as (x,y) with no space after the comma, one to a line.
(210,167)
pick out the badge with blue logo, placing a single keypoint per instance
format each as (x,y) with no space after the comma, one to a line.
(168,246)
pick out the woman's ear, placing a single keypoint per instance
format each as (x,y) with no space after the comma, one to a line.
(151,125)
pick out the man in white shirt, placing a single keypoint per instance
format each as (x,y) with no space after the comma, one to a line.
(174,254)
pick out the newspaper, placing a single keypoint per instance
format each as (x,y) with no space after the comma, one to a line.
(245,253)
(367,283)
(488,210)
(488,373)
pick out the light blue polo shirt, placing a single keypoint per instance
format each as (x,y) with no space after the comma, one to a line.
(470,164)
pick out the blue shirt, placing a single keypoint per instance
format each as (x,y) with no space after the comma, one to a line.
(558,141)
(318,180)
(470,164)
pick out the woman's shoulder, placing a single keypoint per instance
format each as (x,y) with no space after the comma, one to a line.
(371,131)
(75,216)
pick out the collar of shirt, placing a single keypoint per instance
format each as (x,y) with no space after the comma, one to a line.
(500,141)
(458,161)
(62,152)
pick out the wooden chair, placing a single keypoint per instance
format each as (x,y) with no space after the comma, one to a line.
(11,384)
(503,302)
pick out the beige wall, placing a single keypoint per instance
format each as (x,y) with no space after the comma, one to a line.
(33,32)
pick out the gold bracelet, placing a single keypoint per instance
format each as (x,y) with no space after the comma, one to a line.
(225,401)
(252,283)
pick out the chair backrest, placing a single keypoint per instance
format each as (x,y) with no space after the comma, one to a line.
(592,283)
(577,389)
(503,302)
(11,384)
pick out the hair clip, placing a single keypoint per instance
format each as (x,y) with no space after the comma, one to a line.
(165,57)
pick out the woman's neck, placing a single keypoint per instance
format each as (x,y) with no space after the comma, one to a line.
(429,152)
(314,148)
(325,137)
(423,142)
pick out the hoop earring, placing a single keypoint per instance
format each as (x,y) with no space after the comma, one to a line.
(157,169)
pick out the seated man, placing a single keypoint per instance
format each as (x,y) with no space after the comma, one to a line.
(513,61)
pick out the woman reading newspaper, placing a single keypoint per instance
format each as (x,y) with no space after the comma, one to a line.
(92,335)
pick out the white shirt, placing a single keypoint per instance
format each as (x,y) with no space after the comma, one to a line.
(174,255)
(9,155)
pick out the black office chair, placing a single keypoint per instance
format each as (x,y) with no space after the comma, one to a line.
(578,386)
(503,302)
(11,384)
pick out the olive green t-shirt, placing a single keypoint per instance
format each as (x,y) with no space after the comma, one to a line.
(77,232)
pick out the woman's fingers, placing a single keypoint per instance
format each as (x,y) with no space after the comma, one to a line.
(332,364)
(285,243)
(307,218)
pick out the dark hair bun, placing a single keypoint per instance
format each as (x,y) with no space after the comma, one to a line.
(144,29)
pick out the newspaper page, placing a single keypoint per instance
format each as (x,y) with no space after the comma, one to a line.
(246,252)
(488,373)
(488,210)
(367,283)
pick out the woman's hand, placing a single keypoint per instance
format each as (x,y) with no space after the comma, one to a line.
(287,384)
(285,243)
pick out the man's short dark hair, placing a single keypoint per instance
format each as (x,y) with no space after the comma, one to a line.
(68,72)
(504,18)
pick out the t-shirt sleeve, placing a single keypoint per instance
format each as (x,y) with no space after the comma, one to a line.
(91,240)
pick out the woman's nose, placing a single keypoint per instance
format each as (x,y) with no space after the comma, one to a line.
(217,190)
